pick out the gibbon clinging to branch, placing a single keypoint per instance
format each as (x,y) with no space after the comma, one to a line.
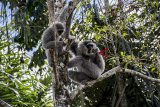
(57,31)
(49,42)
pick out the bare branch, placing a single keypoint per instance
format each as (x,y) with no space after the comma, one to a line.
(118,69)
(135,73)
(4,104)
(51,11)
(106,2)
(121,96)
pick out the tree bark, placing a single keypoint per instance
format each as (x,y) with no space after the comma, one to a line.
(106,6)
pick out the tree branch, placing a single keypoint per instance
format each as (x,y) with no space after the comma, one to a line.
(118,69)
(145,77)
(4,104)
(69,19)
(115,70)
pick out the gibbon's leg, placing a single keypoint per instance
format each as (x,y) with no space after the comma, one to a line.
(83,74)
(76,61)
(91,69)
(59,50)
(79,77)
(88,68)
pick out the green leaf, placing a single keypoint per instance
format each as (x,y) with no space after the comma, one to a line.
(155,26)
(124,34)
(122,54)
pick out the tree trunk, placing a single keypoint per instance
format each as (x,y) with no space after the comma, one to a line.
(59,74)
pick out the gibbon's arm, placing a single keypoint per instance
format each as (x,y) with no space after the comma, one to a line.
(73,47)
(51,44)
(91,69)
(48,41)
(100,61)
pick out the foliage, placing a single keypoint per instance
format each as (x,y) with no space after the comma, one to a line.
(19,85)
(23,84)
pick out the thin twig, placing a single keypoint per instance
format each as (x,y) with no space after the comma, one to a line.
(121,96)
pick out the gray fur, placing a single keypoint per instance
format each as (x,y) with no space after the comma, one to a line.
(49,42)
(89,63)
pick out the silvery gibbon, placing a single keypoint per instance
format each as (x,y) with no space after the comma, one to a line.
(56,30)
(86,64)
(49,42)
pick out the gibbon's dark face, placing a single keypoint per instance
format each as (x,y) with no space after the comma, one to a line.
(60,28)
(90,46)
(60,31)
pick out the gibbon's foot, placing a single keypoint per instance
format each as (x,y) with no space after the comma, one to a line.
(75,69)
(78,76)
(85,82)
(69,39)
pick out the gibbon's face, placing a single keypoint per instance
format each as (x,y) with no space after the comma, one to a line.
(60,29)
(89,47)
